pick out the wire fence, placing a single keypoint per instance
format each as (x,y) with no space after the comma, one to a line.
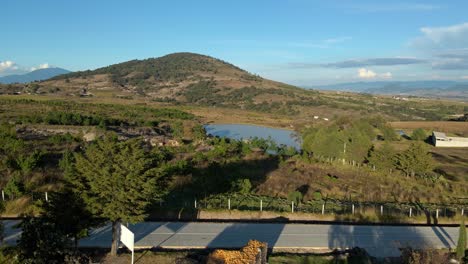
(323,207)
(274,204)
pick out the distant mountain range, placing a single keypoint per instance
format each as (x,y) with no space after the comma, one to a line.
(37,75)
(431,88)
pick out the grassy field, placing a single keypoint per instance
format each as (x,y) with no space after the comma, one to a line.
(449,127)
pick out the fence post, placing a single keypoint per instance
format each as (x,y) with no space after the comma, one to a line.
(261,205)
(462,211)
(352,208)
(381,209)
(437,213)
(195,203)
(3,195)
(229,203)
(323,208)
(410,212)
(46,198)
(292,207)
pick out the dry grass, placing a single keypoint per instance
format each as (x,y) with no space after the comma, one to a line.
(150,257)
(344,181)
(449,127)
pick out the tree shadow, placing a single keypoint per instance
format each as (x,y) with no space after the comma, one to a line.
(236,235)
(386,241)
(147,234)
(204,181)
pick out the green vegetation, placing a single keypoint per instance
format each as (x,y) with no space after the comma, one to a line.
(352,256)
(173,67)
(346,139)
(118,180)
(352,140)
(461,244)
(419,134)
(41,242)
(416,161)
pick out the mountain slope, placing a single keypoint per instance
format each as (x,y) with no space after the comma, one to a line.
(199,80)
(37,75)
(181,77)
(430,88)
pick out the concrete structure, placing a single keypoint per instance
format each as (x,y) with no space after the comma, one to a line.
(439,139)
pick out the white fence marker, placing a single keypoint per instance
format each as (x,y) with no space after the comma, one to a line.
(3,195)
(292,207)
(437,213)
(195,204)
(46,198)
(352,208)
(381,210)
(323,208)
(127,238)
(229,203)
(410,212)
(261,205)
(463,211)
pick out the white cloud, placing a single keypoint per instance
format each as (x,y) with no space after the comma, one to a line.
(442,38)
(464,77)
(322,44)
(7,66)
(440,34)
(393,7)
(41,66)
(387,75)
(337,40)
(366,74)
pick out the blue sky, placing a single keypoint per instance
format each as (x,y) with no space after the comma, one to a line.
(300,42)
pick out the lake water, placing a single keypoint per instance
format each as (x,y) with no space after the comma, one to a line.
(240,131)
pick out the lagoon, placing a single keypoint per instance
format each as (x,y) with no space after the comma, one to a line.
(241,131)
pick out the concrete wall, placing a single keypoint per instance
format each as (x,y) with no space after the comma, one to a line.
(457,142)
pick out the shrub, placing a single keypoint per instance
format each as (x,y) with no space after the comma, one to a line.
(295,197)
(461,245)
(242,186)
(14,187)
(419,134)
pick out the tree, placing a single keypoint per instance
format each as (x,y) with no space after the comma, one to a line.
(388,133)
(41,242)
(117,180)
(67,212)
(416,160)
(382,158)
(461,245)
(419,134)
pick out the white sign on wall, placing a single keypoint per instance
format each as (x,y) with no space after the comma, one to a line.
(127,238)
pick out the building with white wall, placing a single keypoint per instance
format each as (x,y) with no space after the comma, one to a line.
(439,139)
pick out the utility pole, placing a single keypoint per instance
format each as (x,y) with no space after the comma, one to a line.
(344,152)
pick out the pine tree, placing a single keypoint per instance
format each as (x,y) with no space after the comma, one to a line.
(117,180)
(461,245)
(383,158)
(416,160)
